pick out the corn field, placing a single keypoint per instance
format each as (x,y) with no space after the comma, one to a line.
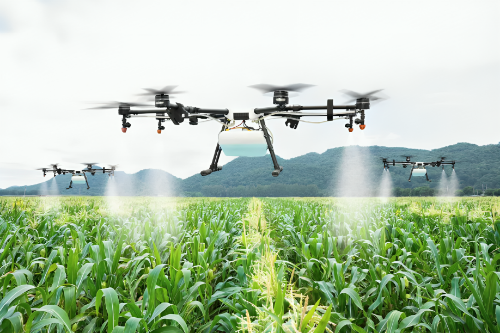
(249,265)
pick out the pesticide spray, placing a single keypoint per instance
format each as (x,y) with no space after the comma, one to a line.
(111,194)
(453,184)
(443,189)
(385,186)
(353,178)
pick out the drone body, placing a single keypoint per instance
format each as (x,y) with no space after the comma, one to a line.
(251,137)
(418,169)
(79,177)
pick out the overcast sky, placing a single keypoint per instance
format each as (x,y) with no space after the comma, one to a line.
(438,61)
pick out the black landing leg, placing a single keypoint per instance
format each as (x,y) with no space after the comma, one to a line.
(213,167)
(277,167)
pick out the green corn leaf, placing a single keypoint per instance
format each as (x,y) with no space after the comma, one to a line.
(436,258)
(159,309)
(55,312)
(178,319)
(324,321)
(393,321)
(44,322)
(59,278)
(112,306)
(11,296)
(411,320)
(167,329)
(16,322)
(83,272)
(48,263)
(151,285)
(73,265)
(303,325)
(480,303)
(490,292)
(354,296)
(118,253)
(132,325)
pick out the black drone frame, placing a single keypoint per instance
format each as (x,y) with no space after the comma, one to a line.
(92,171)
(416,165)
(178,113)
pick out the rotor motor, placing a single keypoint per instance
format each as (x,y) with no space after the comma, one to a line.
(280,97)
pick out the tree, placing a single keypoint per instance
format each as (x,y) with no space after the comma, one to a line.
(468,190)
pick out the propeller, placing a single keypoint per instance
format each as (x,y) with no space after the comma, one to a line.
(89,164)
(115,105)
(167,90)
(267,88)
(113,167)
(54,165)
(370,95)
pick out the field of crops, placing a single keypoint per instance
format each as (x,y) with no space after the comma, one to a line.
(249,265)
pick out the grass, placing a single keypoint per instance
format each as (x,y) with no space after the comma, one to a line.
(249,265)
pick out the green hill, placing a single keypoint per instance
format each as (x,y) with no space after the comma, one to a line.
(307,175)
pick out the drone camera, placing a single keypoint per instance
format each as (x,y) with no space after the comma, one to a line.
(280,97)
(363,103)
(162,101)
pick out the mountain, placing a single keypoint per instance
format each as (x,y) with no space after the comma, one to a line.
(307,175)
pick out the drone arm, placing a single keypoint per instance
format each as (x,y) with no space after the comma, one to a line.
(191,109)
(303,108)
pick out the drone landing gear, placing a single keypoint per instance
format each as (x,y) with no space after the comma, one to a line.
(277,167)
(427,176)
(213,167)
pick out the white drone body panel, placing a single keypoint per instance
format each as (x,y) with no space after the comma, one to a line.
(243,143)
(251,116)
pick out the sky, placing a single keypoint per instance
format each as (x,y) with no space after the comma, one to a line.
(437,61)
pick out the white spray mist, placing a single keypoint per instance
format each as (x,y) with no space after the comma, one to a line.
(353,177)
(443,188)
(453,184)
(385,190)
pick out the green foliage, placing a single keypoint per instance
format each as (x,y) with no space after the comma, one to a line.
(240,265)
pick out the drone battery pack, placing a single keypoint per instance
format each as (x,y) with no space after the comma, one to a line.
(419,172)
(78,180)
(243,143)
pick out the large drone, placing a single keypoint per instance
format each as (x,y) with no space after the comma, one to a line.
(78,177)
(251,137)
(418,168)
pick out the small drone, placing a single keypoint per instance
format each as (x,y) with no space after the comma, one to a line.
(418,168)
(78,177)
(245,139)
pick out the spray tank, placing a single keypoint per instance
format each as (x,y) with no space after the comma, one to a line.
(77,179)
(243,142)
(421,172)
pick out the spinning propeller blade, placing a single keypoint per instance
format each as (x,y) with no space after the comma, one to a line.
(115,104)
(370,95)
(267,88)
(167,90)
